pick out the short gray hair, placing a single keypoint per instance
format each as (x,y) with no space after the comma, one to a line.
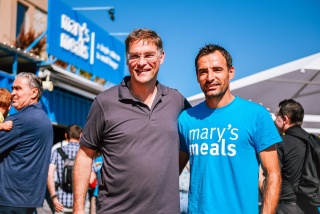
(34,82)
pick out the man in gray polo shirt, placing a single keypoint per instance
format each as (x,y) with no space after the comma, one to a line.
(135,125)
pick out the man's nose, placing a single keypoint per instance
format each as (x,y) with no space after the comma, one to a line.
(142,60)
(211,76)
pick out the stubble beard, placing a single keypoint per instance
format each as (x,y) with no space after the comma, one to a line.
(212,94)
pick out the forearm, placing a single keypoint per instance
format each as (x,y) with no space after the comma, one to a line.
(52,189)
(81,176)
(51,183)
(51,186)
(272,188)
(272,182)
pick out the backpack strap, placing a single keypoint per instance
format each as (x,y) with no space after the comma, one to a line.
(64,157)
(62,153)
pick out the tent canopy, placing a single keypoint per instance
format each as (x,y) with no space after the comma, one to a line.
(298,80)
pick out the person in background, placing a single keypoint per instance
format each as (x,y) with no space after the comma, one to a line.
(63,200)
(226,137)
(98,164)
(135,126)
(291,152)
(5,104)
(60,144)
(48,206)
(25,150)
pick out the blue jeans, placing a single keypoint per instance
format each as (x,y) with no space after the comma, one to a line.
(183,202)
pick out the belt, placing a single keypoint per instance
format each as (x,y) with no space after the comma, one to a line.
(183,191)
(287,202)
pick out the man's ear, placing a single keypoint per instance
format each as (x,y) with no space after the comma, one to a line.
(35,93)
(285,119)
(162,57)
(231,73)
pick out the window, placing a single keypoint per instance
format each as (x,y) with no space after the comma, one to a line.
(21,14)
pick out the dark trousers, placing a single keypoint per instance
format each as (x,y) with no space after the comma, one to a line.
(296,209)
(16,210)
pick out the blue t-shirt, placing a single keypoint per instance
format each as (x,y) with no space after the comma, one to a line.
(223,145)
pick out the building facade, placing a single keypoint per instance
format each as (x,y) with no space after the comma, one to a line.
(33,39)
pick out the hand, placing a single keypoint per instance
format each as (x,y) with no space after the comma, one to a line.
(57,205)
(7,125)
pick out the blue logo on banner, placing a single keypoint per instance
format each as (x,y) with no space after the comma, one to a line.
(75,39)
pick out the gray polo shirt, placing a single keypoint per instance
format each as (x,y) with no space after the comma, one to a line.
(140,148)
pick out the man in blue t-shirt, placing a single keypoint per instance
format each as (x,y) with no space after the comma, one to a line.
(226,137)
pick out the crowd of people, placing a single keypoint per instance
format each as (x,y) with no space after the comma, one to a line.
(146,134)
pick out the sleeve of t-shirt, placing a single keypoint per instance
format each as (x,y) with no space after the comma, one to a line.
(182,99)
(266,132)
(183,146)
(92,133)
(53,158)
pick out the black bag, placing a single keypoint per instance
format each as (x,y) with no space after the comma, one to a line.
(309,185)
(66,180)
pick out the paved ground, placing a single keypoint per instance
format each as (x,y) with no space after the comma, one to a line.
(45,209)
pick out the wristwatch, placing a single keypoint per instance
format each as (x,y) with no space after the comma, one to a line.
(53,196)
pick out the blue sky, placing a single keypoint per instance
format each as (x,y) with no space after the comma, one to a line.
(258,34)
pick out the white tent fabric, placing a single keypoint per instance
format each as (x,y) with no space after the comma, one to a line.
(299,80)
